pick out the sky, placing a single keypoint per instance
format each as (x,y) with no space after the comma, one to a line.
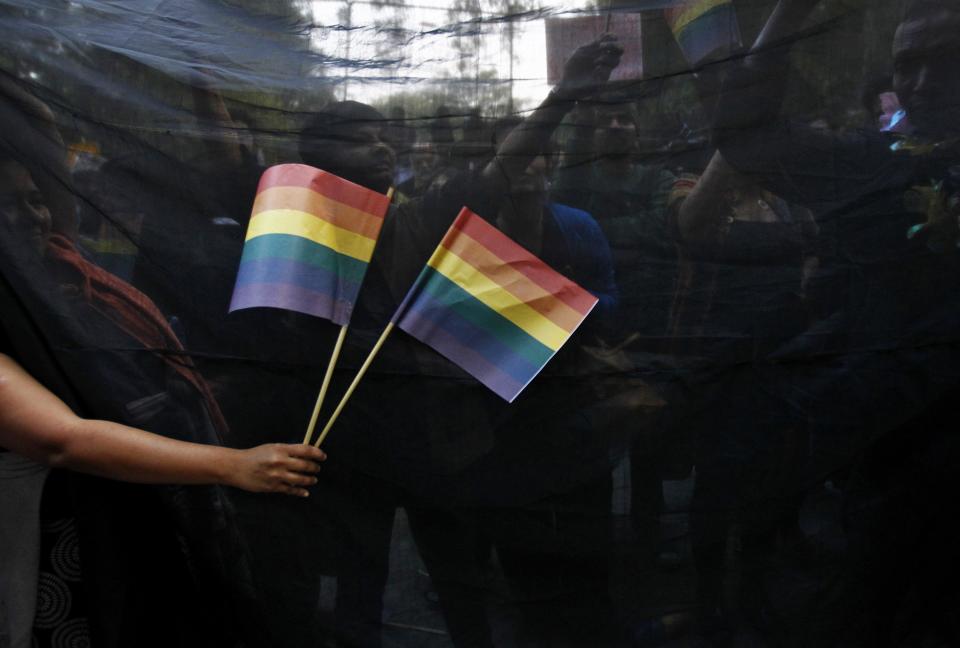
(428,52)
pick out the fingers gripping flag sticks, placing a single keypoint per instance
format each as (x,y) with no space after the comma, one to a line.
(489,306)
(310,239)
(703,28)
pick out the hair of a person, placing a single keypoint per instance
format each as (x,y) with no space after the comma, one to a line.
(334,123)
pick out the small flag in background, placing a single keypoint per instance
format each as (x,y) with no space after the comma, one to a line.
(310,239)
(491,307)
(704,27)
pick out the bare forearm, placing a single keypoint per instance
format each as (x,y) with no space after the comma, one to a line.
(37,424)
(753,91)
(129,454)
(587,69)
(525,142)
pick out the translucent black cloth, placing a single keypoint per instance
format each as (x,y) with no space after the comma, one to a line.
(751,437)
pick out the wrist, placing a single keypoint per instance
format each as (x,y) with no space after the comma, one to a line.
(226,466)
(561,97)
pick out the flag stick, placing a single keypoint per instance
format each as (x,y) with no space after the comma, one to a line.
(329,374)
(356,381)
(326,384)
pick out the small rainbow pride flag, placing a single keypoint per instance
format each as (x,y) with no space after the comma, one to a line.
(310,238)
(703,27)
(491,307)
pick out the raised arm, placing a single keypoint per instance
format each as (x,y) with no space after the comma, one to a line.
(754,90)
(803,165)
(37,424)
(750,99)
(587,69)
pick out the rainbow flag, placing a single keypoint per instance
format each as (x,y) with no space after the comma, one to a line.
(310,238)
(704,27)
(491,307)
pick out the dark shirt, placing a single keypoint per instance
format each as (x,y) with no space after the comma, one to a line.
(631,212)
(738,294)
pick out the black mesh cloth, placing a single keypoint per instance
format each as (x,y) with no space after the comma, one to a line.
(750,439)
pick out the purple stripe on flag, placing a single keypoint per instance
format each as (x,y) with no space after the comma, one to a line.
(272,270)
(472,349)
(457,322)
(291,297)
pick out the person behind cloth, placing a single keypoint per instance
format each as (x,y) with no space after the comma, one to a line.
(744,256)
(604,176)
(549,522)
(394,442)
(604,173)
(35,425)
(889,378)
(399,429)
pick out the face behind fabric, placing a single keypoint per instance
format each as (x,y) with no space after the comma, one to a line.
(22,206)
(926,53)
(358,153)
(616,134)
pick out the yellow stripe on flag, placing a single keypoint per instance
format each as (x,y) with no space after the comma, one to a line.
(514,281)
(334,212)
(692,11)
(494,296)
(298,223)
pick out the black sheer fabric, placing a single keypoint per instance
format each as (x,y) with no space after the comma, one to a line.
(750,439)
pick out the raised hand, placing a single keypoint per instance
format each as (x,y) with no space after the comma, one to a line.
(589,67)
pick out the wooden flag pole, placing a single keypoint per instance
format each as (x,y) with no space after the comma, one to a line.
(326,384)
(356,381)
(329,374)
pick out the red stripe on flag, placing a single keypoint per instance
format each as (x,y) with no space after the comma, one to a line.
(326,184)
(523,261)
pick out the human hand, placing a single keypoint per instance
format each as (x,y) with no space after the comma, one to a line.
(589,67)
(277,468)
